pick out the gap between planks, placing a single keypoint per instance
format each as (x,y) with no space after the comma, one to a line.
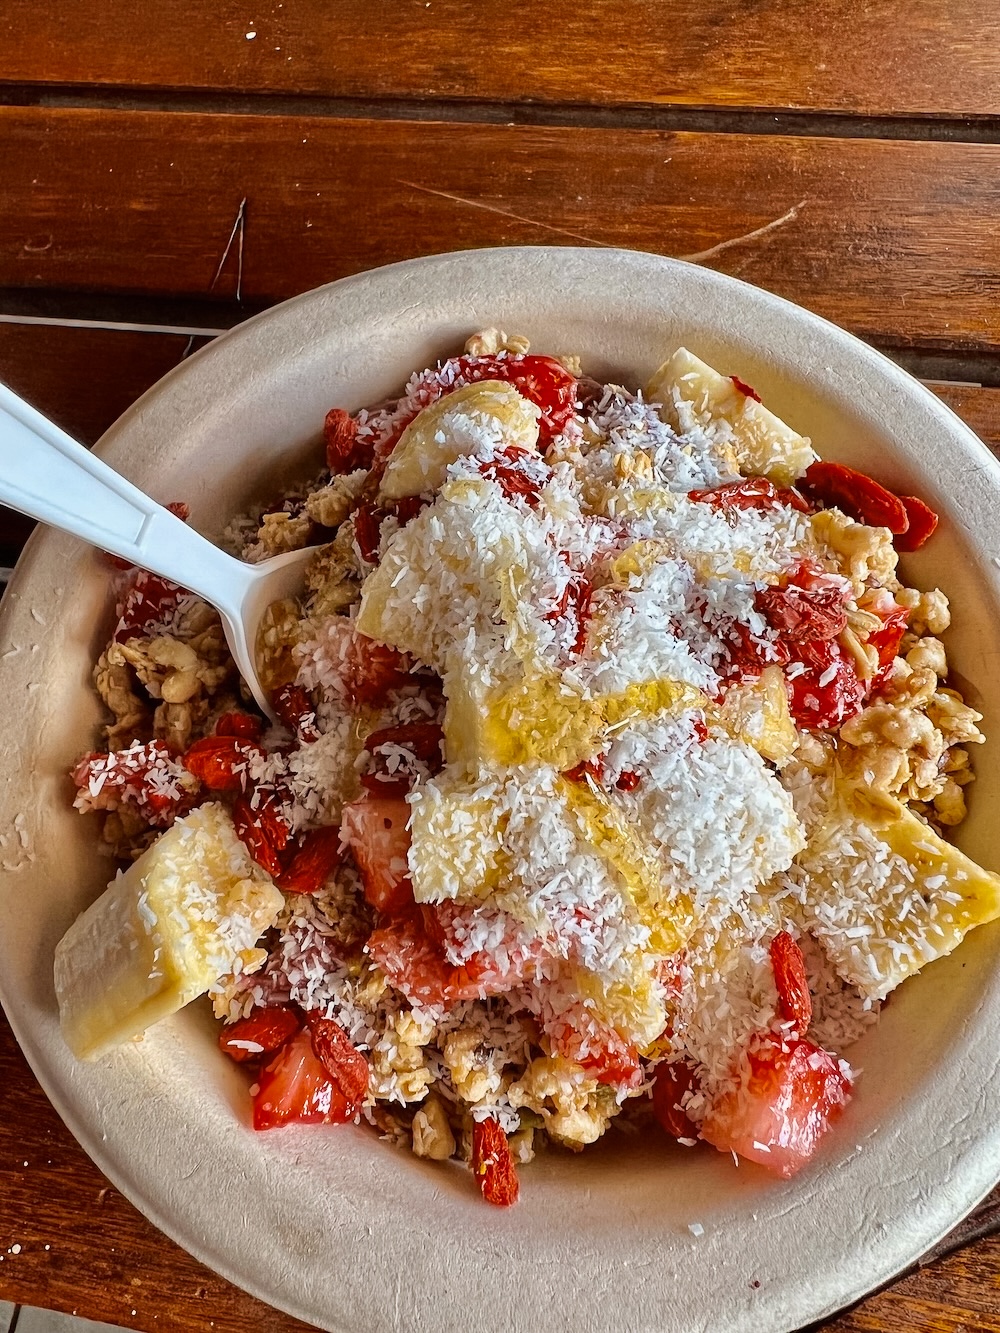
(643,116)
(953,369)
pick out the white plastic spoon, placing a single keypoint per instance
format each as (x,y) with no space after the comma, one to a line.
(49,476)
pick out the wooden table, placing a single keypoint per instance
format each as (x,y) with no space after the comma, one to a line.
(169,167)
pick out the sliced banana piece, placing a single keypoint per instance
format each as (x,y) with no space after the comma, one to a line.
(886,894)
(187,912)
(490,412)
(690,393)
(756,712)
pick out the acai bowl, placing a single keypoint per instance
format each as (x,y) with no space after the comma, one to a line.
(630,1200)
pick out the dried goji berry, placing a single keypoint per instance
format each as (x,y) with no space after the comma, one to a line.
(398,754)
(858,495)
(344,451)
(790,980)
(245,725)
(262,832)
(262,1032)
(575,604)
(294,707)
(147,601)
(745,389)
(592,769)
(367,530)
(923,522)
(315,858)
(492,1163)
(344,1063)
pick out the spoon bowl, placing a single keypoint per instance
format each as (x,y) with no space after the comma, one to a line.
(49,476)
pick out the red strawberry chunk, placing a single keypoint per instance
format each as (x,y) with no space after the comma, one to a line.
(344,1063)
(315,858)
(366,671)
(146,777)
(262,1032)
(922,523)
(858,495)
(577,1034)
(493,1164)
(543,380)
(414,960)
(790,979)
(221,763)
(295,1088)
(376,832)
(791,1094)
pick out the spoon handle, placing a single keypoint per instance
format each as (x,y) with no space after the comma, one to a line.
(49,476)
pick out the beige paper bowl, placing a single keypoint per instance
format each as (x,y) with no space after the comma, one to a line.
(329,1223)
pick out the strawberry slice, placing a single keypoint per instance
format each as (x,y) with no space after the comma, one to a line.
(492,1163)
(778,1113)
(376,832)
(295,1088)
(262,1032)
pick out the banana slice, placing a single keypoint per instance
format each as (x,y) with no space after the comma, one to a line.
(756,712)
(490,412)
(187,912)
(692,394)
(887,895)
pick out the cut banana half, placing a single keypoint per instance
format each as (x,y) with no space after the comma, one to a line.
(691,394)
(189,911)
(490,412)
(886,894)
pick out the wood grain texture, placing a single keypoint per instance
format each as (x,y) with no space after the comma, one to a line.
(84,1249)
(897,57)
(83,379)
(894,240)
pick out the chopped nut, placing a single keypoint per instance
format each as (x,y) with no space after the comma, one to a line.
(487,342)
(330,505)
(432,1136)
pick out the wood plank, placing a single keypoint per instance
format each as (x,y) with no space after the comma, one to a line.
(978,408)
(898,57)
(894,240)
(84,1249)
(83,379)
